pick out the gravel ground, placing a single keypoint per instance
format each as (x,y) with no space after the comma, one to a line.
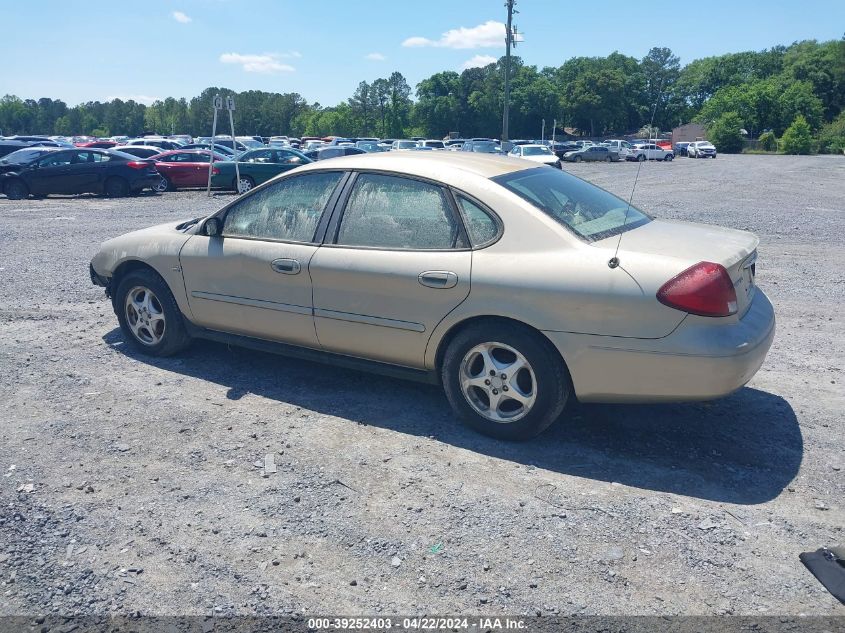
(133,484)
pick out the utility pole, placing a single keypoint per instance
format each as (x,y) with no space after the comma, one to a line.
(509,39)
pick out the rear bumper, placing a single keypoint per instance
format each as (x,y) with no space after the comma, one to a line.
(702,359)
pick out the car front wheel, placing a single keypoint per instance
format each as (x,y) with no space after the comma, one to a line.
(504,380)
(148,314)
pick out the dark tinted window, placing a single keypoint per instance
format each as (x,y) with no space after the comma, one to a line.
(287,210)
(394,212)
(58,159)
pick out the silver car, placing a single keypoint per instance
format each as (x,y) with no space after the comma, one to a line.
(515,286)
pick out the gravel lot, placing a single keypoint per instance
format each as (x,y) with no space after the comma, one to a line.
(130,484)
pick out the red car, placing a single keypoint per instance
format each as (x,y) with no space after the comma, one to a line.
(97,144)
(184,168)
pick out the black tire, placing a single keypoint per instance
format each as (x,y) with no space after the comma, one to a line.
(162,185)
(552,387)
(174,335)
(577,159)
(669,157)
(16,190)
(641,158)
(170,185)
(116,187)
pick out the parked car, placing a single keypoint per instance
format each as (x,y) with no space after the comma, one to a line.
(368,262)
(433,144)
(249,142)
(255,167)
(98,144)
(403,144)
(9,146)
(220,149)
(536,153)
(45,170)
(701,149)
(591,153)
(184,168)
(680,148)
(369,146)
(163,143)
(484,146)
(141,151)
(324,153)
(454,144)
(235,145)
(561,147)
(649,151)
(620,147)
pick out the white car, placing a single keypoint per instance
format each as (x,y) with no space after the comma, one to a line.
(701,149)
(536,154)
(433,144)
(649,151)
(622,148)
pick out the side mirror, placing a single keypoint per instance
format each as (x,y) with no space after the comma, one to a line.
(212,227)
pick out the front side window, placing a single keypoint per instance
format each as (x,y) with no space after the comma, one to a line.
(259,156)
(395,212)
(589,211)
(288,210)
(57,160)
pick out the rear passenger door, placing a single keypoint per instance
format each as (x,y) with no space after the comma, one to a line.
(395,262)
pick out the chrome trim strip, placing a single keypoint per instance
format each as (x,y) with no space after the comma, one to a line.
(254,303)
(369,320)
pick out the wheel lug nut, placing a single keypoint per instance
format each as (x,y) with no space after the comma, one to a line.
(495,392)
(504,388)
(486,382)
(504,376)
(492,373)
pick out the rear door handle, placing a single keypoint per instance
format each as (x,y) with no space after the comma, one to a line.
(286,266)
(438,279)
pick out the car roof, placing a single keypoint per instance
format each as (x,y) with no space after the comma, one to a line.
(533,145)
(427,164)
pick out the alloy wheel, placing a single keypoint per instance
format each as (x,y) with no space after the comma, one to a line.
(145,315)
(244,185)
(498,382)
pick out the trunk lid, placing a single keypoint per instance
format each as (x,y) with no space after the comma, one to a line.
(689,243)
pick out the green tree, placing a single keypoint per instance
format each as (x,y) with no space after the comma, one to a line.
(725,133)
(798,138)
(832,136)
(768,141)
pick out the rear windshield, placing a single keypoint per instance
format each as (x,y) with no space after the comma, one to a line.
(23,156)
(589,211)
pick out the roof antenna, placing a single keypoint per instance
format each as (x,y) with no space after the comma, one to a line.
(613,262)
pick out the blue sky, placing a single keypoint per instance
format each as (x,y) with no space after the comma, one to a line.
(79,50)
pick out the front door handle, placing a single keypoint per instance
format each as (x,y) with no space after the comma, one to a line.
(438,279)
(286,266)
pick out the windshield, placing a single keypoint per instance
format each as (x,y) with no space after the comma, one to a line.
(23,156)
(405,144)
(535,151)
(486,148)
(590,211)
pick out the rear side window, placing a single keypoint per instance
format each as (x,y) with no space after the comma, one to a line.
(395,212)
(480,225)
(288,210)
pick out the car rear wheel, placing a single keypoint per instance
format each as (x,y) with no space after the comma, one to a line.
(577,159)
(148,314)
(116,187)
(16,190)
(669,157)
(641,157)
(162,185)
(505,381)
(244,184)
(607,159)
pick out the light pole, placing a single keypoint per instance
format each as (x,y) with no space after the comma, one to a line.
(509,39)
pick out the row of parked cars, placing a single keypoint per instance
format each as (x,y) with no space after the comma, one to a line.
(118,166)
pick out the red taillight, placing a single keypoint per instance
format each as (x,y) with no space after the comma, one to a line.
(135,164)
(215,171)
(705,289)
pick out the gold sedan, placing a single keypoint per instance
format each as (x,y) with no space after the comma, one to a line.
(515,286)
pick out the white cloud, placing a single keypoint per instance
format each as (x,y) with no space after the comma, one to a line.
(266,63)
(375,57)
(145,99)
(478,61)
(491,34)
(181,17)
